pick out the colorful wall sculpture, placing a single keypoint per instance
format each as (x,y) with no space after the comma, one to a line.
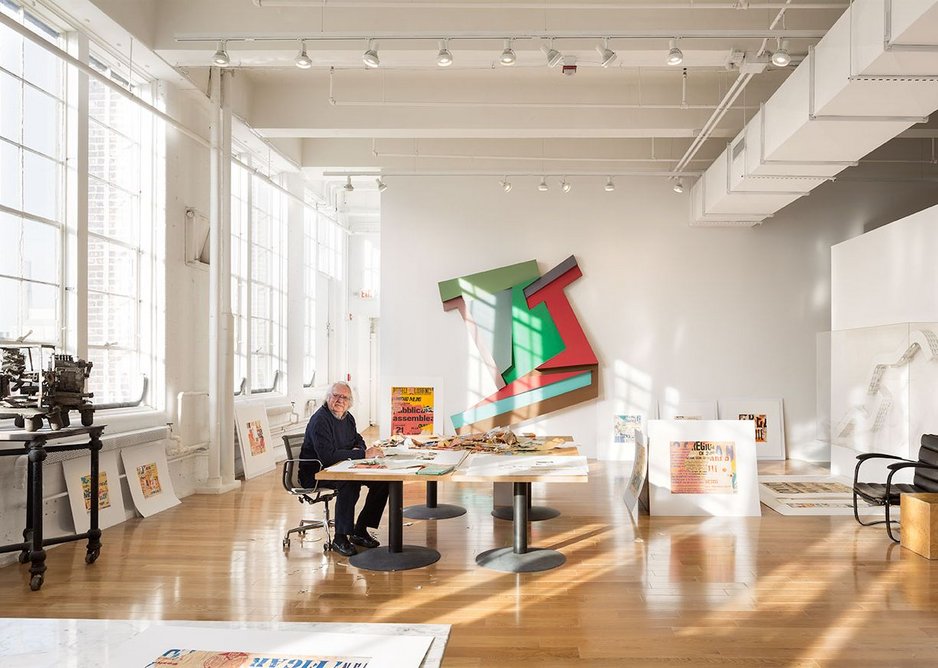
(528,335)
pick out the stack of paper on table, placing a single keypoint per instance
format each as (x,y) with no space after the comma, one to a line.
(507,466)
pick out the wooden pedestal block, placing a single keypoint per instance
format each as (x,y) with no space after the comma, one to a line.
(919,521)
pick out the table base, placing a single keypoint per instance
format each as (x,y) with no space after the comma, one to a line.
(442,511)
(535,513)
(382,559)
(505,559)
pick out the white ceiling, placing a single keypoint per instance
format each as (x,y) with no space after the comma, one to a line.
(477,116)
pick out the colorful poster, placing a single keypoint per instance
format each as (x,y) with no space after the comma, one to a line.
(104,498)
(760,421)
(193,658)
(703,467)
(625,427)
(411,410)
(256,440)
(149,477)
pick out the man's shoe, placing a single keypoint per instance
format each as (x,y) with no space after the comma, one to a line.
(367,540)
(342,545)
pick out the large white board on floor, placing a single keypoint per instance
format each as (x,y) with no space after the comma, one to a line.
(703,467)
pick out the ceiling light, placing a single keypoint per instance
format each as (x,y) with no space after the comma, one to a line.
(382,186)
(444,58)
(506,185)
(221,56)
(542,186)
(678,186)
(610,185)
(553,55)
(508,56)
(675,55)
(565,185)
(781,57)
(303,61)
(606,55)
(348,187)
(370,57)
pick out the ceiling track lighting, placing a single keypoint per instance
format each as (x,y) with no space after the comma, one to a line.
(610,185)
(675,55)
(781,57)
(444,58)
(554,57)
(382,186)
(370,57)
(565,186)
(348,187)
(508,56)
(678,186)
(542,186)
(303,61)
(506,185)
(606,55)
(220,57)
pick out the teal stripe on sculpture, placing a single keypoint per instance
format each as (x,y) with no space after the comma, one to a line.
(509,404)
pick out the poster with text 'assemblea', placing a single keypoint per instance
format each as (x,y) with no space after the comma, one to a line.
(703,467)
(411,410)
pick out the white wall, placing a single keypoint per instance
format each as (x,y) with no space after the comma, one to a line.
(669,309)
(888,275)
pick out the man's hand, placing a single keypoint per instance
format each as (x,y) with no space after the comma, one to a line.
(374,451)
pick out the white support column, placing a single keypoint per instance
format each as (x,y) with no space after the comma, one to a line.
(75,277)
(221,384)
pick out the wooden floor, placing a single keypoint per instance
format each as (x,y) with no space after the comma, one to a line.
(770,591)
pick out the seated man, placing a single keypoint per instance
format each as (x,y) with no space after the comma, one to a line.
(331,436)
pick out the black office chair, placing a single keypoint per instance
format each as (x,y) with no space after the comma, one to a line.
(888,494)
(319,493)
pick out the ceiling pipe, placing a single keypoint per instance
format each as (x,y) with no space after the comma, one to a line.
(539,6)
(456,156)
(738,86)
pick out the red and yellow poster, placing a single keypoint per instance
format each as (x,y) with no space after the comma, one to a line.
(411,410)
(703,467)
(149,477)
(104,496)
(761,424)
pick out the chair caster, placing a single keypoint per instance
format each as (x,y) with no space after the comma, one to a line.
(92,556)
(286,543)
(327,547)
(35,582)
(24,557)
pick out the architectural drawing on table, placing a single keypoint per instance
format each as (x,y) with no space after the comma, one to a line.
(878,401)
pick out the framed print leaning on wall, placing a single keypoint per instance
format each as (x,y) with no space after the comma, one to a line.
(77,474)
(151,487)
(257,454)
(767,415)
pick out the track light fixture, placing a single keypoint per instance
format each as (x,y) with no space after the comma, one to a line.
(610,185)
(553,55)
(303,61)
(781,57)
(382,186)
(506,185)
(348,187)
(220,57)
(606,55)
(508,56)
(444,58)
(678,186)
(675,55)
(542,186)
(370,57)
(565,185)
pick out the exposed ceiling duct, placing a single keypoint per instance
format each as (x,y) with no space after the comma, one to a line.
(872,76)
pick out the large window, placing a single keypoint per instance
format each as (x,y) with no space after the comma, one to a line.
(258,278)
(32,178)
(121,227)
(310,221)
(331,248)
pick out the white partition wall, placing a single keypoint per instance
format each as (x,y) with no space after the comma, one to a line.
(884,340)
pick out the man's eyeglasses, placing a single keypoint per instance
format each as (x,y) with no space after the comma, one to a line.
(343,397)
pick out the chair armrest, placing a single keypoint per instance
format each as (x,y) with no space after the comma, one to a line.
(908,465)
(879,455)
(302,460)
(872,455)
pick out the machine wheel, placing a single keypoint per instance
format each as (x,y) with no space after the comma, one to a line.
(92,556)
(35,582)
(87,418)
(19,422)
(33,423)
